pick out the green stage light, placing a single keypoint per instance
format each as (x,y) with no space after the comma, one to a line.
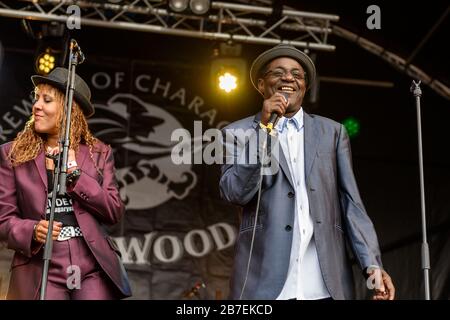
(352,126)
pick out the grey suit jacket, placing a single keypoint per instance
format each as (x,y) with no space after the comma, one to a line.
(335,207)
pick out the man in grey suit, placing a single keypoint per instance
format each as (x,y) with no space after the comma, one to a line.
(293,232)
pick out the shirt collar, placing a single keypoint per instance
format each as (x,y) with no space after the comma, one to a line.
(297,120)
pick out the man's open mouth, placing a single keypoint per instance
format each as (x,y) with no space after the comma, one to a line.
(286,89)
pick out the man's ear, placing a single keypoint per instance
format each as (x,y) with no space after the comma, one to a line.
(261,86)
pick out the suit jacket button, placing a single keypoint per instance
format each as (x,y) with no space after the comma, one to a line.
(290,194)
(288,228)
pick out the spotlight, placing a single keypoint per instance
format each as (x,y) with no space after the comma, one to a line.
(199,6)
(228,69)
(52,47)
(46,61)
(227,82)
(352,125)
(178,5)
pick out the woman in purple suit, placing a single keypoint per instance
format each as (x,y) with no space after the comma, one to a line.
(85,262)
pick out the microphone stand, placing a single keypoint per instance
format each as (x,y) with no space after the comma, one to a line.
(417,92)
(60,176)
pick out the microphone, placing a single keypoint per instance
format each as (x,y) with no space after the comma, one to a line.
(194,291)
(275,117)
(75,48)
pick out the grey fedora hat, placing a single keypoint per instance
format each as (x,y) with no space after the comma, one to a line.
(58,79)
(283,50)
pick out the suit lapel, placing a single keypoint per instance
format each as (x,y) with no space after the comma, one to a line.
(311,138)
(39,161)
(282,161)
(81,155)
(284,165)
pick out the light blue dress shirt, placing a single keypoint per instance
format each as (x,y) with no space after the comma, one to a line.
(304,279)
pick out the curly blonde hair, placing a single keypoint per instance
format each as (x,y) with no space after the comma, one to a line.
(29,143)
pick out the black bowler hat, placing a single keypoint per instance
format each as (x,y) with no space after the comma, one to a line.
(58,79)
(283,50)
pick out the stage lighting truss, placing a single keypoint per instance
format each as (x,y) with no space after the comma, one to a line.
(243,22)
(178,5)
(236,22)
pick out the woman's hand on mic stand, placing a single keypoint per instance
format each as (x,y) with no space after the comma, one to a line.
(41,229)
(71,159)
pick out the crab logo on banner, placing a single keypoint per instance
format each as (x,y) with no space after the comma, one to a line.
(139,134)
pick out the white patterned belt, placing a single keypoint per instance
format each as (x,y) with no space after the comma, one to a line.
(68,232)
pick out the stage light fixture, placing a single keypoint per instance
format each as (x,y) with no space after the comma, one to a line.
(178,5)
(46,62)
(228,69)
(199,7)
(189,7)
(52,44)
(227,82)
(228,74)
(352,125)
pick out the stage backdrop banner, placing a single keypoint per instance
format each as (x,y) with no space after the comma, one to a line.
(177,236)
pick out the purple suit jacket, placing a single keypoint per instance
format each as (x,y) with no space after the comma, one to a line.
(23,201)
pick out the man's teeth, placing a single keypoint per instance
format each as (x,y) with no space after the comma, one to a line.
(287,89)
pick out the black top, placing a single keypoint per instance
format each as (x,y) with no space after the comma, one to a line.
(63,209)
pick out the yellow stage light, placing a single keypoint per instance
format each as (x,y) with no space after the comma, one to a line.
(228,82)
(45,62)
